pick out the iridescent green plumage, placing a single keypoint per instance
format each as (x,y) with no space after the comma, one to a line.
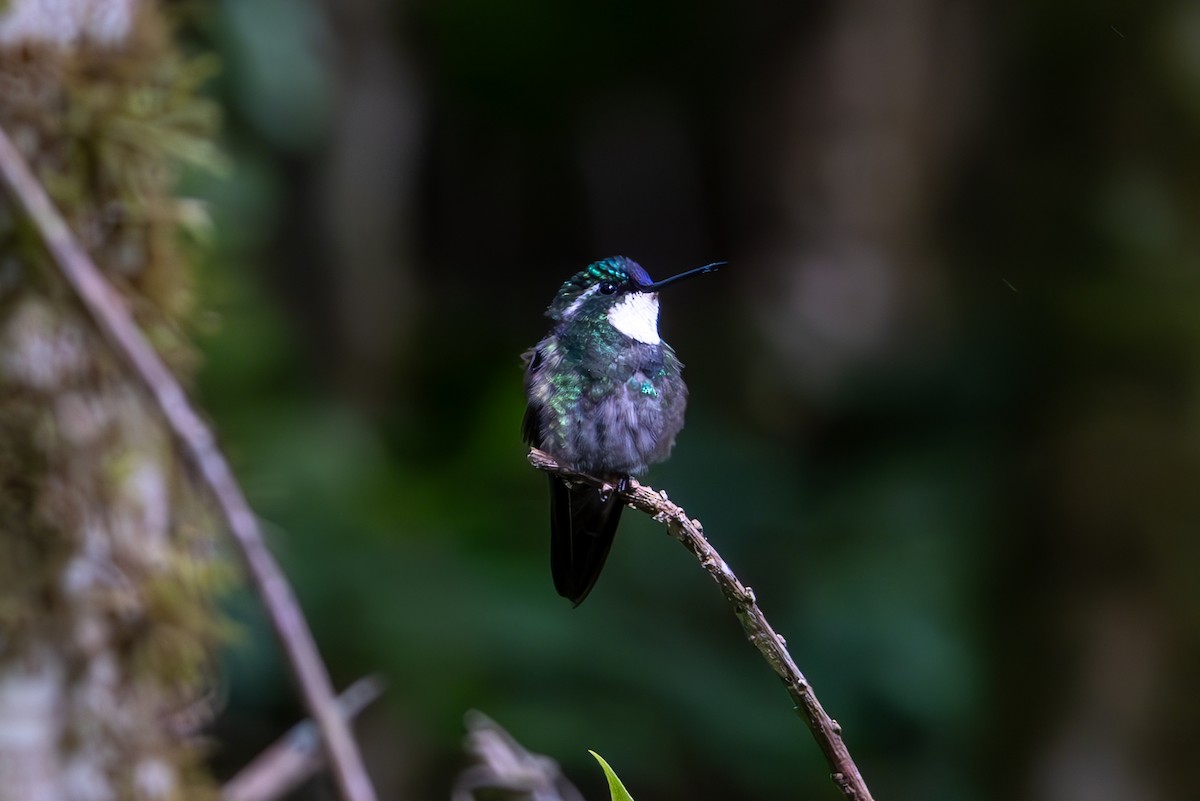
(606,398)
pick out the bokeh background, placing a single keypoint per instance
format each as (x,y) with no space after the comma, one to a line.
(945,411)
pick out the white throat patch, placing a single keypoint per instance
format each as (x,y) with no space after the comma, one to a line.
(636,316)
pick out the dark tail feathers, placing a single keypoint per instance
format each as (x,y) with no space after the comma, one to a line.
(583,522)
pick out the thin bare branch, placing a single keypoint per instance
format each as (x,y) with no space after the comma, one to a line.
(112,317)
(505,768)
(690,533)
(296,755)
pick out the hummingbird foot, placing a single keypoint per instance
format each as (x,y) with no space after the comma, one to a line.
(617,484)
(622,485)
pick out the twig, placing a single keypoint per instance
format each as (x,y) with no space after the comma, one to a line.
(503,764)
(111,315)
(690,533)
(296,755)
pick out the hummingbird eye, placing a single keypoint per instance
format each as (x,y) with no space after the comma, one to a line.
(607,288)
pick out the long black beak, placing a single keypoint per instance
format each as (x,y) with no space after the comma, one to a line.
(657,285)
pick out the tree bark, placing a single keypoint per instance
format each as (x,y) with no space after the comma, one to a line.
(107,563)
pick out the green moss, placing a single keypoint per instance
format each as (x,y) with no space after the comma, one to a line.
(187,627)
(33,551)
(106,550)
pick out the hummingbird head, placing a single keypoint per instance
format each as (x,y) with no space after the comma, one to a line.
(619,290)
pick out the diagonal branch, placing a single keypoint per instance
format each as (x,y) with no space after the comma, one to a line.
(112,317)
(296,755)
(689,532)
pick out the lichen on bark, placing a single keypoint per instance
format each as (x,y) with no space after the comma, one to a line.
(108,565)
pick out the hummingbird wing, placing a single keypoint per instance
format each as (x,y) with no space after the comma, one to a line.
(531,425)
(583,521)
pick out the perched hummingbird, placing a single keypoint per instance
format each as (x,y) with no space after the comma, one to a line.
(605,398)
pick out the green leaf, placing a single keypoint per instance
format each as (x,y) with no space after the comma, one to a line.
(619,793)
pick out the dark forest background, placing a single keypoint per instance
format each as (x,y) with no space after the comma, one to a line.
(945,412)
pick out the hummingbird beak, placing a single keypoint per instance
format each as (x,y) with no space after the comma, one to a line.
(654,286)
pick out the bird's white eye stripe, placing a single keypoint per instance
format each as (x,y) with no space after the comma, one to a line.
(575,304)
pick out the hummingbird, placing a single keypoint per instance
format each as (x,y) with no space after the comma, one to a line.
(605,397)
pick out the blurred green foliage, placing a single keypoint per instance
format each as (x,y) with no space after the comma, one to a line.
(932,535)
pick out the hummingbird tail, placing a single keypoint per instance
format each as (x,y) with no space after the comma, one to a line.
(583,521)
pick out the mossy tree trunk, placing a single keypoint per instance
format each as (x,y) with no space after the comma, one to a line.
(107,565)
